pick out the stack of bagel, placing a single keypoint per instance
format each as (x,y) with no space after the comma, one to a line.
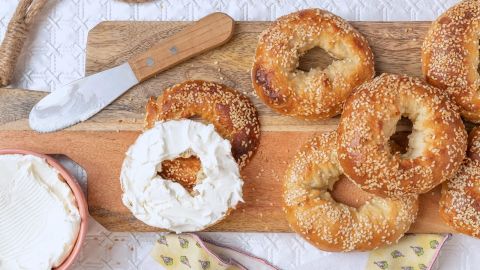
(183,174)
(439,151)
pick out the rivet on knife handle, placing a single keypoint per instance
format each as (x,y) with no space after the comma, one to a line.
(207,33)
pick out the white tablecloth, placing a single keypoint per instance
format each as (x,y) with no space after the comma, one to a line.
(55,54)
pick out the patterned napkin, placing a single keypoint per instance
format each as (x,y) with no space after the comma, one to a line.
(188,251)
(413,252)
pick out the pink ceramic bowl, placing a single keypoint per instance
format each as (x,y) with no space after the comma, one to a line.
(77,192)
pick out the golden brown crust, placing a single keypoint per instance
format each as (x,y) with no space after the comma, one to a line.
(333,226)
(460,202)
(234,116)
(436,146)
(317,94)
(450,56)
(183,170)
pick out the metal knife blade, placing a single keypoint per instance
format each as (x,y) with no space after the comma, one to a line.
(81,99)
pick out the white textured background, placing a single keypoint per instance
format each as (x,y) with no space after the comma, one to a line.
(55,54)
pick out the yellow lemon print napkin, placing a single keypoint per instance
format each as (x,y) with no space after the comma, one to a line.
(413,252)
(188,251)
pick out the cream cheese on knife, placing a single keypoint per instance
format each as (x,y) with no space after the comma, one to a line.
(39,217)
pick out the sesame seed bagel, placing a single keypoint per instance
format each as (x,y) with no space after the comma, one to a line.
(450,56)
(460,202)
(233,115)
(319,93)
(328,224)
(436,146)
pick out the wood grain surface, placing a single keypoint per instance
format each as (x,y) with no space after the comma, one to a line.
(99,144)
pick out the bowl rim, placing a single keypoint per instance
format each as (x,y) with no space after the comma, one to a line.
(77,192)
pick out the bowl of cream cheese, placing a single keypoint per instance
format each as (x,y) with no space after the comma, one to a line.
(43,212)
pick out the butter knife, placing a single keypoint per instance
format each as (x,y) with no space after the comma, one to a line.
(83,98)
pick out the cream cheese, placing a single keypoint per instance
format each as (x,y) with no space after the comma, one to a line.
(165,203)
(39,217)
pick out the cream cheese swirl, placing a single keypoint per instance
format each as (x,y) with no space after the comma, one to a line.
(165,203)
(39,218)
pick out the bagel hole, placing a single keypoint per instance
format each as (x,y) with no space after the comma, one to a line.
(399,140)
(315,58)
(185,170)
(346,192)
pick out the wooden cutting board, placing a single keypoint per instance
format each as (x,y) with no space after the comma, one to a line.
(99,144)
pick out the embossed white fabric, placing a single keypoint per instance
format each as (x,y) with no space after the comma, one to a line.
(55,54)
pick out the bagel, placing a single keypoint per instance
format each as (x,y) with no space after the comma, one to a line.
(436,146)
(450,56)
(164,203)
(332,226)
(319,93)
(234,116)
(460,201)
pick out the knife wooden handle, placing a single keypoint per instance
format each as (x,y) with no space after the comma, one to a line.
(207,33)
